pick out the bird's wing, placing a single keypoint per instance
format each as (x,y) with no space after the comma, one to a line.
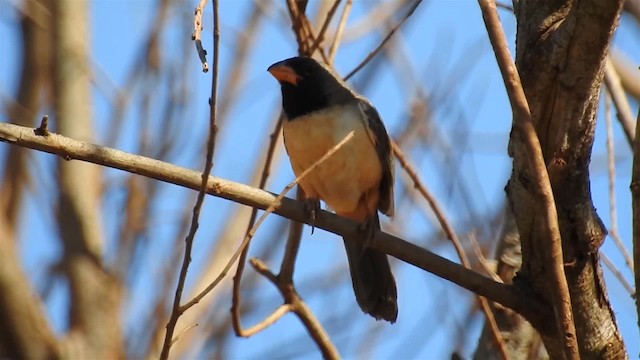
(380,139)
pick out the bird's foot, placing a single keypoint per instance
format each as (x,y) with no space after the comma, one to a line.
(311,206)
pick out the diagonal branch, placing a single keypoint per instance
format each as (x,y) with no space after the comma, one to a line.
(453,237)
(298,307)
(384,41)
(505,295)
(338,36)
(619,97)
(284,280)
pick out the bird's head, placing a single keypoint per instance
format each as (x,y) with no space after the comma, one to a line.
(308,86)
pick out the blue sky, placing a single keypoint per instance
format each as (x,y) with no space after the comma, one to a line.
(443,40)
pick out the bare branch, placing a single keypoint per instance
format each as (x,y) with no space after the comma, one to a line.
(618,275)
(377,49)
(303,30)
(300,309)
(612,82)
(343,22)
(286,269)
(253,230)
(213,131)
(284,280)
(325,26)
(269,320)
(247,195)
(243,256)
(627,71)
(451,235)
(611,172)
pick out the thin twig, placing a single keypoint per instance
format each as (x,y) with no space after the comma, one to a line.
(244,245)
(298,27)
(300,309)
(453,237)
(370,22)
(325,26)
(561,297)
(339,31)
(384,41)
(619,97)
(182,332)
(213,130)
(433,203)
(504,6)
(197,32)
(268,321)
(254,213)
(484,263)
(284,281)
(627,72)
(143,69)
(247,239)
(303,30)
(312,38)
(235,307)
(611,172)
(291,248)
(244,45)
(618,275)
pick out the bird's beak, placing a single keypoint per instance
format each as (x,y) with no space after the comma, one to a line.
(284,73)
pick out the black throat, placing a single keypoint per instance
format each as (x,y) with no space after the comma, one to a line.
(313,94)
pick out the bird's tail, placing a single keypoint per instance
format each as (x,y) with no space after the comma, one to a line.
(373,282)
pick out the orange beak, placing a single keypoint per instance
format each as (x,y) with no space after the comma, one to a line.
(284,73)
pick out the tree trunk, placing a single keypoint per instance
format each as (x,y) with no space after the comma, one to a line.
(560,52)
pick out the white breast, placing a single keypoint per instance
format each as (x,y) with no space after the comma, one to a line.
(353,170)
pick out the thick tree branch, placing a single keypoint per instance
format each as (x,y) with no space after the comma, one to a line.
(541,182)
(508,296)
(560,51)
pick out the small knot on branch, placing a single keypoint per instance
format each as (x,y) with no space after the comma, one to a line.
(43,130)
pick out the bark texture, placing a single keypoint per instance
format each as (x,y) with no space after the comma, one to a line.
(521,340)
(560,50)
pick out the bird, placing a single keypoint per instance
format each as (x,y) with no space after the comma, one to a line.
(356,181)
